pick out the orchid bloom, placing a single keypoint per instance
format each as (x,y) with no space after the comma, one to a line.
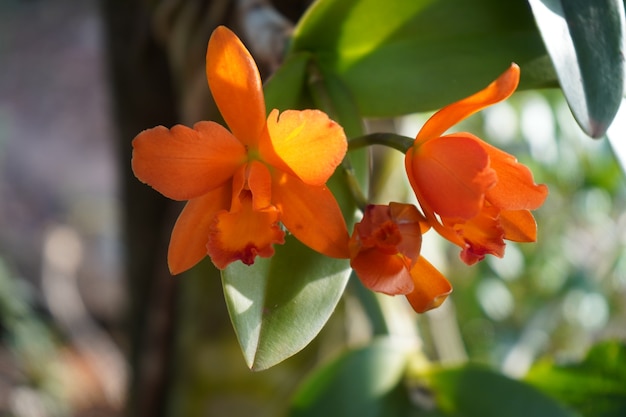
(244,183)
(385,255)
(472,193)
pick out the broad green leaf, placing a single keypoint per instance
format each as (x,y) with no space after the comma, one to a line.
(474,391)
(404,56)
(366,382)
(279,304)
(286,88)
(596,387)
(585,41)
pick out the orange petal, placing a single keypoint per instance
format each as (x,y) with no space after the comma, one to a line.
(260,183)
(191,231)
(236,85)
(381,272)
(411,225)
(183,163)
(450,115)
(450,175)
(306,143)
(431,287)
(482,235)
(244,234)
(312,214)
(516,189)
(518,225)
(378,229)
(394,229)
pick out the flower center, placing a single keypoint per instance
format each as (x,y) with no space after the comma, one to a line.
(387,237)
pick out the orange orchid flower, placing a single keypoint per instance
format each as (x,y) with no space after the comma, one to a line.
(385,255)
(472,193)
(244,183)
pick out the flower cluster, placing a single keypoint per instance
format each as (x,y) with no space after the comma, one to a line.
(246,185)
(243,184)
(473,194)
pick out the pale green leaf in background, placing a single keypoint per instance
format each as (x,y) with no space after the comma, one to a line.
(596,386)
(365,382)
(475,391)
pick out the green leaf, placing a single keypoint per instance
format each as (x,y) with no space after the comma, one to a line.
(279,304)
(365,382)
(596,386)
(286,88)
(585,41)
(404,56)
(474,391)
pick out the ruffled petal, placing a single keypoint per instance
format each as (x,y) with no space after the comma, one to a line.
(450,175)
(381,272)
(183,163)
(312,215)
(450,115)
(384,246)
(236,85)
(244,234)
(411,225)
(379,229)
(516,189)
(518,225)
(191,231)
(305,143)
(482,235)
(431,288)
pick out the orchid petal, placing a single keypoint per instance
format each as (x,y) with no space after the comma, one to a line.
(236,86)
(191,231)
(379,229)
(450,175)
(452,114)
(183,163)
(382,272)
(244,234)
(483,234)
(305,143)
(260,183)
(312,215)
(431,288)
(384,245)
(515,189)
(518,225)
(411,225)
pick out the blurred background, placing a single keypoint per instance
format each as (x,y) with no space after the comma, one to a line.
(61,292)
(91,322)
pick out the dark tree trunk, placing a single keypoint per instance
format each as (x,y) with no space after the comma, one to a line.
(143,97)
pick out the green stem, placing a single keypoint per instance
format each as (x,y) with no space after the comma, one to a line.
(392,140)
(353,184)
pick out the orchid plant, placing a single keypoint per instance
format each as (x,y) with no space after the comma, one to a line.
(277,199)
